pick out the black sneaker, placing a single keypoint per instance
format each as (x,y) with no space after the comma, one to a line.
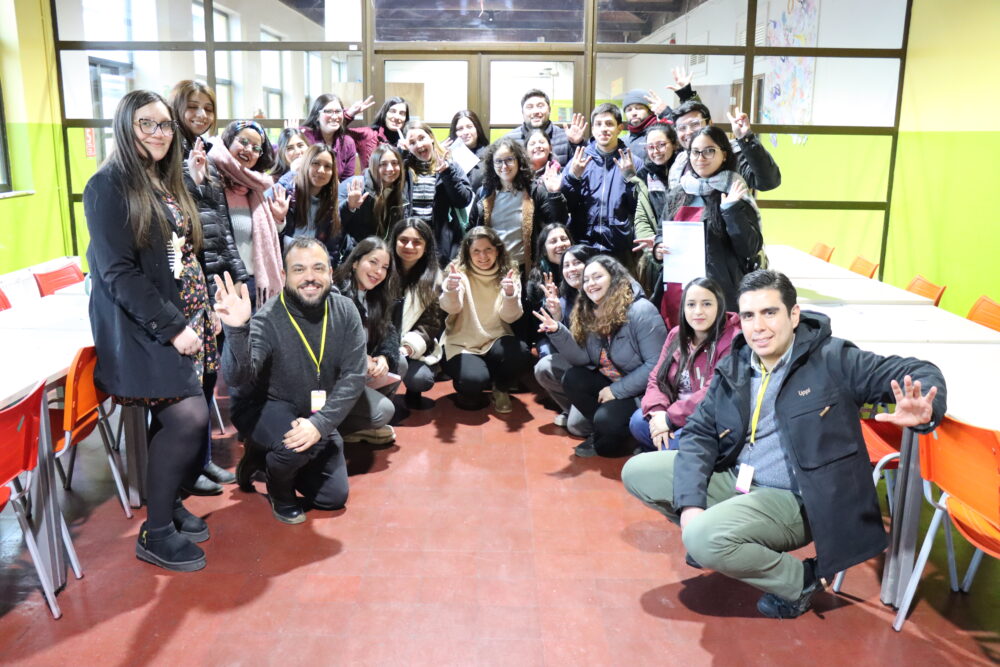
(290,513)
(252,462)
(190,526)
(692,562)
(166,548)
(772,606)
(218,474)
(202,486)
(586,448)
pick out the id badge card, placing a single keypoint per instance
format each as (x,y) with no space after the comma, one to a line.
(317,399)
(744,478)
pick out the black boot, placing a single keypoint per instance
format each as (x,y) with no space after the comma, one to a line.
(253,461)
(190,526)
(167,548)
(218,474)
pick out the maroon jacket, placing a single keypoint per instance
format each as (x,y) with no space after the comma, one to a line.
(681,409)
(344,147)
(367,139)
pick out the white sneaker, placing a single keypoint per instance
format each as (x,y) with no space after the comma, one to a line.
(373,436)
(561,419)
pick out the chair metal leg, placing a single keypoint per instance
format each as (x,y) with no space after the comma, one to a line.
(72,464)
(890,484)
(918,570)
(838,581)
(68,543)
(115,464)
(950,544)
(218,414)
(36,558)
(970,574)
(62,472)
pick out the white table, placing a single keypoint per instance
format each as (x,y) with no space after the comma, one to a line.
(66,313)
(880,323)
(857,290)
(796,264)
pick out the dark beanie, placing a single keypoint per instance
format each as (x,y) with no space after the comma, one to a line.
(635,96)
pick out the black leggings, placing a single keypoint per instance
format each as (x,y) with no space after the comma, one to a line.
(177,435)
(501,365)
(610,419)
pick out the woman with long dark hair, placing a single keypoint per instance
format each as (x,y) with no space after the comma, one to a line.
(651,187)
(325,124)
(482,296)
(421,318)
(312,201)
(149,313)
(466,128)
(712,190)
(387,128)
(682,374)
(545,275)
(290,147)
(376,200)
(368,278)
(613,341)
(193,105)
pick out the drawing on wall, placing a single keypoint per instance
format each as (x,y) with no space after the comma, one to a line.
(789,83)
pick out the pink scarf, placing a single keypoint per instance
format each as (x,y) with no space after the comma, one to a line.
(245,188)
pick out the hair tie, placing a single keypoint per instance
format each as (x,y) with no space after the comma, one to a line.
(664,121)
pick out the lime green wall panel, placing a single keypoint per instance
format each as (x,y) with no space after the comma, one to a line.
(852,233)
(944,222)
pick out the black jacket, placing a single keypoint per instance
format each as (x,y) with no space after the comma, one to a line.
(827,382)
(386,343)
(218,252)
(451,194)
(135,307)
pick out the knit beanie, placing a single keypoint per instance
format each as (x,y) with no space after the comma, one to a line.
(635,96)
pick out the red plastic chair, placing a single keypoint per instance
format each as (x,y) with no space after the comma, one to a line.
(82,412)
(924,287)
(19,433)
(986,311)
(864,267)
(50,281)
(823,251)
(964,462)
(4,301)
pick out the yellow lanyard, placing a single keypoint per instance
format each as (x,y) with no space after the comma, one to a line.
(756,410)
(322,344)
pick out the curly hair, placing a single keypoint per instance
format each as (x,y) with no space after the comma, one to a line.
(607,318)
(503,263)
(491,180)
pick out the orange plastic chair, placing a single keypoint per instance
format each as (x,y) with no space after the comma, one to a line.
(823,251)
(864,267)
(964,462)
(83,411)
(19,433)
(986,311)
(50,281)
(4,301)
(924,287)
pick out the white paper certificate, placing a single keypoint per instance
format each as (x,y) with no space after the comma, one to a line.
(462,156)
(685,256)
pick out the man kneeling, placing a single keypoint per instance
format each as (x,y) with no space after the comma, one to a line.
(773,458)
(299,368)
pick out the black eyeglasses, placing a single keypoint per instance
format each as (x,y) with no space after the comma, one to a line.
(504,161)
(246,143)
(707,154)
(149,127)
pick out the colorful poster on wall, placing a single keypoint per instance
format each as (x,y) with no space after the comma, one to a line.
(789,82)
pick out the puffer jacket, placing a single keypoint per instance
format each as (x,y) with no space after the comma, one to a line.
(218,251)
(827,382)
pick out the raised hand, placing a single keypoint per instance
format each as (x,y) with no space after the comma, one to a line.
(659,250)
(443,163)
(552,178)
(579,162)
(737,191)
(656,103)
(446,144)
(681,78)
(626,164)
(279,203)
(547,323)
(232,302)
(507,284)
(359,107)
(643,244)
(197,162)
(912,407)
(454,279)
(356,194)
(740,123)
(576,129)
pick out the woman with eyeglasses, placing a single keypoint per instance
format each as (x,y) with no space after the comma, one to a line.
(149,314)
(291,146)
(712,191)
(651,187)
(326,125)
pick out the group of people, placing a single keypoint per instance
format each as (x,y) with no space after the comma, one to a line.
(317,291)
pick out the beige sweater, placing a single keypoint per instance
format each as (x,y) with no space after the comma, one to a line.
(478,312)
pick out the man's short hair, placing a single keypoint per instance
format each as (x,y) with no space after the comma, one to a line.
(606,107)
(693,105)
(534,92)
(767,279)
(302,242)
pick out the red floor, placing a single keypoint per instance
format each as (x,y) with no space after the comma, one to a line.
(477,539)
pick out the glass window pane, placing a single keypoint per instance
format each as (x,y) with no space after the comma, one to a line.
(468,21)
(836,25)
(87,149)
(434,89)
(128,20)
(853,233)
(94,81)
(855,168)
(827,91)
(716,79)
(294,20)
(716,22)
(510,79)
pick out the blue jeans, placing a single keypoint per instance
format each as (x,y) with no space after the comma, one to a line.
(639,428)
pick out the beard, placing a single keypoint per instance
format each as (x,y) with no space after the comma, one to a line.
(307,302)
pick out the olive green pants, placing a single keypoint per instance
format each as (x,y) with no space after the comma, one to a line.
(746,536)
